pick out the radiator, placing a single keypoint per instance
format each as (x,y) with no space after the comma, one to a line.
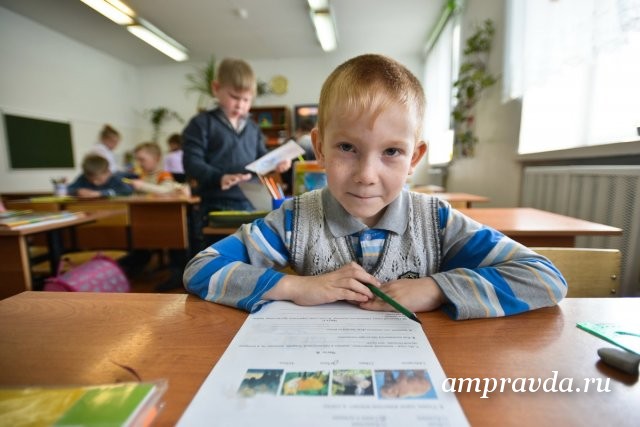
(604,194)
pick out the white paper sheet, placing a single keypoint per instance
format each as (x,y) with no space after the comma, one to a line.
(330,365)
(269,161)
(257,194)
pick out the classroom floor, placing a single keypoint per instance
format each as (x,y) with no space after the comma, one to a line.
(144,282)
(152,276)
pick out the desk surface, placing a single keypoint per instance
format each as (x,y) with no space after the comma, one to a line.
(79,338)
(534,222)
(455,197)
(85,218)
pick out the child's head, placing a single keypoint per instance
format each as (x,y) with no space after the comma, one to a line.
(109,137)
(235,87)
(368,136)
(175,142)
(96,169)
(148,156)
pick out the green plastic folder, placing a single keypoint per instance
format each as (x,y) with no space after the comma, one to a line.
(615,334)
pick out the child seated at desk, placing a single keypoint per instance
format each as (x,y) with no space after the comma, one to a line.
(365,228)
(97,180)
(154,179)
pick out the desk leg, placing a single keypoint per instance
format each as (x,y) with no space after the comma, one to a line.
(15,270)
(54,241)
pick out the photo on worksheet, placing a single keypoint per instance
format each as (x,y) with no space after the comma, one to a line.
(309,383)
(352,382)
(404,384)
(260,381)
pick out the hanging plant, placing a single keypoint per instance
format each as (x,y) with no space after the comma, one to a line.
(159,116)
(473,79)
(200,82)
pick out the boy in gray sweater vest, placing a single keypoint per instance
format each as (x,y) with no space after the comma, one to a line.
(366,228)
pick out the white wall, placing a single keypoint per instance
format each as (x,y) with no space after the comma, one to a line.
(47,75)
(494,171)
(165,86)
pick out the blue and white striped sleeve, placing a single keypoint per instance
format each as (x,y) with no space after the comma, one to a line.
(486,274)
(240,268)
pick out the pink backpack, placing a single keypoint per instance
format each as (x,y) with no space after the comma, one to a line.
(100,274)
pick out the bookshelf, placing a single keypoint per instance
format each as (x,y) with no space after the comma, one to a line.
(275,123)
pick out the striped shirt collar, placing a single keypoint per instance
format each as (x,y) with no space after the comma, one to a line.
(341,223)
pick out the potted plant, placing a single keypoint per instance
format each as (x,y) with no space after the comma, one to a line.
(473,79)
(200,82)
(160,115)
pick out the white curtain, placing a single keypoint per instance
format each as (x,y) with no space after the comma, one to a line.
(575,64)
(440,71)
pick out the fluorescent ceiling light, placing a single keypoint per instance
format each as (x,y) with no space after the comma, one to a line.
(318,4)
(122,14)
(325,29)
(115,10)
(156,38)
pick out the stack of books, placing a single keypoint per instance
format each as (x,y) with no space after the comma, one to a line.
(19,219)
(122,404)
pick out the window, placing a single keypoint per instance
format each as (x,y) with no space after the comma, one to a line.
(575,64)
(440,72)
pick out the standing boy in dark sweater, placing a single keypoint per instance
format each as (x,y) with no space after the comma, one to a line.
(218,144)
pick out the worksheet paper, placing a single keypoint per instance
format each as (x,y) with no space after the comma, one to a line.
(269,161)
(329,365)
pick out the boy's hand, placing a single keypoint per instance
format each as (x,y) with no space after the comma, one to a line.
(86,193)
(283,166)
(230,179)
(417,295)
(135,183)
(346,283)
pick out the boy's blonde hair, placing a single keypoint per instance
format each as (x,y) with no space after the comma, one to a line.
(151,148)
(237,74)
(94,165)
(371,83)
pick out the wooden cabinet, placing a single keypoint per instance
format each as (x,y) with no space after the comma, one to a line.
(275,123)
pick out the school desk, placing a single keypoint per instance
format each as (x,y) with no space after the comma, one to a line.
(15,268)
(150,222)
(457,200)
(535,227)
(531,227)
(86,338)
(155,222)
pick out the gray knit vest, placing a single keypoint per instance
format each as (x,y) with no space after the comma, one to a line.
(416,253)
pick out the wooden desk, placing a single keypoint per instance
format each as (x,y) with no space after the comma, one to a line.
(15,268)
(77,338)
(534,227)
(155,222)
(457,200)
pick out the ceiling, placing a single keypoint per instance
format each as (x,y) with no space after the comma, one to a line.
(273,29)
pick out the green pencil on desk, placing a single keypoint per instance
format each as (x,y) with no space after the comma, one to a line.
(393,303)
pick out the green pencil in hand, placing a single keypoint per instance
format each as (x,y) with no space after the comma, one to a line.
(393,303)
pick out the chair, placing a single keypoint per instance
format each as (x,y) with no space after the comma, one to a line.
(590,273)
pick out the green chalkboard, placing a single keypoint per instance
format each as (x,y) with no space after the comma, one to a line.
(37,143)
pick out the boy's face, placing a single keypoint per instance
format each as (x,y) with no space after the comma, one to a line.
(147,161)
(367,159)
(99,178)
(234,103)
